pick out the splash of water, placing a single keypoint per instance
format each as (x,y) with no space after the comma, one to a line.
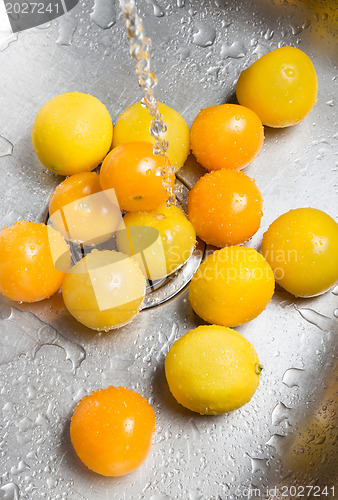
(139,45)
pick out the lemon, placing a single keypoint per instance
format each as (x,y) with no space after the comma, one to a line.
(232,286)
(72,133)
(134,123)
(212,369)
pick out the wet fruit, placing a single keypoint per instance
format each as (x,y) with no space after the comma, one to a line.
(34,258)
(82,212)
(72,133)
(134,172)
(225,207)
(212,369)
(112,430)
(162,251)
(104,290)
(232,286)
(301,247)
(226,136)
(281,87)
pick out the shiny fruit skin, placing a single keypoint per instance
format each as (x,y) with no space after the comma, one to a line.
(72,133)
(225,207)
(134,123)
(174,245)
(131,169)
(281,87)
(226,136)
(112,430)
(104,290)
(29,266)
(212,369)
(232,286)
(301,246)
(80,216)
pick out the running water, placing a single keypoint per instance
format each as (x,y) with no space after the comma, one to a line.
(139,50)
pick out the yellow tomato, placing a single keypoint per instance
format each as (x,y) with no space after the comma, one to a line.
(82,212)
(302,248)
(104,290)
(164,249)
(212,369)
(232,286)
(133,125)
(72,133)
(281,87)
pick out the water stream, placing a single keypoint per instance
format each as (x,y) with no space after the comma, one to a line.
(139,45)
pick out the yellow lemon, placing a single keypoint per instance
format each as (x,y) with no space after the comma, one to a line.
(232,286)
(133,125)
(72,133)
(212,369)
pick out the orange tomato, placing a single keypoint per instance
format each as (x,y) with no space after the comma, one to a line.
(112,430)
(226,136)
(133,170)
(80,210)
(225,207)
(33,260)
(232,286)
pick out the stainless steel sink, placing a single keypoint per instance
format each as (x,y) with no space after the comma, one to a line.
(284,439)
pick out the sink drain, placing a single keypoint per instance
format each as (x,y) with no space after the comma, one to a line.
(162,290)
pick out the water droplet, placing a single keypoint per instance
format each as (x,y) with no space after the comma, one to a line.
(289,72)
(268,34)
(315,318)
(19,468)
(278,442)
(292,377)
(296,29)
(235,51)
(6,38)
(205,36)
(279,413)
(258,464)
(320,440)
(5,311)
(184,51)
(10,491)
(6,147)
(104,13)
(158,11)
(33,334)
(67,28)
